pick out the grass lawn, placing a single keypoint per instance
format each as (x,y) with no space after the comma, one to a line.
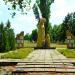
(17,54)
(69,53)
(29,44)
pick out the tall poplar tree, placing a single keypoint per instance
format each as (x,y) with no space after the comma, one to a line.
(44,7)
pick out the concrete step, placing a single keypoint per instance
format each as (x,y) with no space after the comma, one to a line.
(24,61)
(44,63)
(64,70)
(44,73)
(45,67)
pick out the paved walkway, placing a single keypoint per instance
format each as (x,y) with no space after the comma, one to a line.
(43,62)
(45,55)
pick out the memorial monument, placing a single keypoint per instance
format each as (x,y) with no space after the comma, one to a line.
(41,33)
(43,39)
(20,40)
(70,39)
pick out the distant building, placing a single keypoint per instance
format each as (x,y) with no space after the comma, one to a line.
(20,40)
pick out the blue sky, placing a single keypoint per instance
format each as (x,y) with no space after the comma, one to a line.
(26,23)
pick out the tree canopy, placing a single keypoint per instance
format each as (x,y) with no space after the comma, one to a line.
(69,23)
(20,3)
(44,7)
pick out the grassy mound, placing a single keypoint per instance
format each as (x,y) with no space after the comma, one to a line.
(69,53)
(17,54)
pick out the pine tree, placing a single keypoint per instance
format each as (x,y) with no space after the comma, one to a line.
(11,35)
(1,37)
(11,39)
(6,40)
(7,37)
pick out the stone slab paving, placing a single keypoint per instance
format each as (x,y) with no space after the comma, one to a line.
(45,55)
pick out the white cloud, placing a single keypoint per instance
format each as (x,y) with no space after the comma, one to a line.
(24,23)
(59,2)
(0,12)
(60,8)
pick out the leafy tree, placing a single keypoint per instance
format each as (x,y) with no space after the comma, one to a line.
(50,31)
(44,7)
(27,37)
(1,27)
(34,35)
(57,33)
(55,28)
(20,5)
(61,33)
(30,38)
(36,12)
(68,24)
(8,24)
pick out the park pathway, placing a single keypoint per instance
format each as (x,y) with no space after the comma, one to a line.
(45,55)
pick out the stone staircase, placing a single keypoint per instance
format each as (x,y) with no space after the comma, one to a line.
(39,68)
(66,67)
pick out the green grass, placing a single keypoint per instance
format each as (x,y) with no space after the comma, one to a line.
(17,54)
(69,53)
(29,44)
